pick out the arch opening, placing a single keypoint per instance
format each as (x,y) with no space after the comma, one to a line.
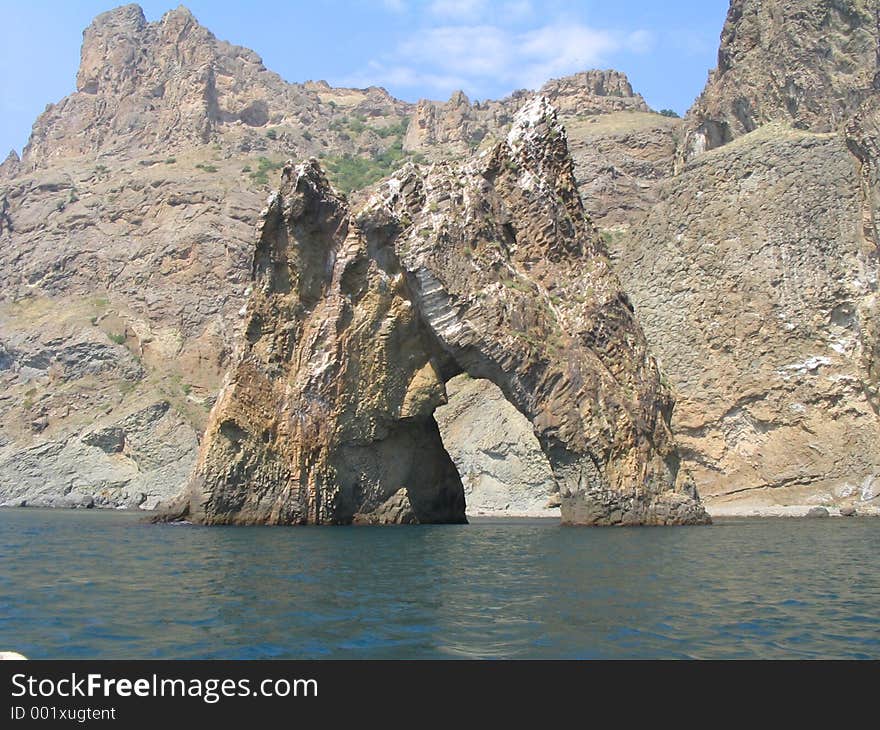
(504,472)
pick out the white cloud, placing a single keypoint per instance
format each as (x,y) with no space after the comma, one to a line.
(458,10)
(404,77)
(480,57)
(640,41)
(461,11)
(556,50)
(490,47)
(472,51)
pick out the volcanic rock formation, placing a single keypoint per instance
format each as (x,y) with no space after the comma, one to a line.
(171,85)
(808,64)
(493,446)
(126,234)
(126,239)
(755,276)
(619,146)
(358,318)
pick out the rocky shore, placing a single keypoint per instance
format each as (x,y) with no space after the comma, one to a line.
(600,316)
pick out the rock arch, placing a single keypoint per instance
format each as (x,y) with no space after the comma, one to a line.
(358,318)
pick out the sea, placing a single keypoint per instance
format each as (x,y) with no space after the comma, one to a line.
(91,584)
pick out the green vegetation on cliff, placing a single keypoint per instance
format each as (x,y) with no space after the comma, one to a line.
(348,172)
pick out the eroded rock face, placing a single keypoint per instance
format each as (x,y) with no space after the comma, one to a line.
(131,460)
(126,227)
(619,146)
(808,64)
(328,412)
(359,318)
(171,85)
(756,287)
(126,234)
(458,125)
(755,276)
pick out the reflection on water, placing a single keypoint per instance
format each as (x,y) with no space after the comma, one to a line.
(89,584)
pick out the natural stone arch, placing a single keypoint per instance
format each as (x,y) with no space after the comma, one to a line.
(358,319)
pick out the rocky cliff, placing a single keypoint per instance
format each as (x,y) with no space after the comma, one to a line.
(807,64)
(503,470)
(126,232)
(171,85)
(359,317)
(755,276)
(745,236)
(619,146)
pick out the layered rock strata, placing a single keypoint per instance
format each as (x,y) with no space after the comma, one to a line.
(359,318)
(619,146)
(493,446)
(755,276)
(126,230)
(807,64)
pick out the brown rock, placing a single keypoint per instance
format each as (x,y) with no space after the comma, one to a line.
(620,148)
(808,64)
(126,234)
(755,274)
(745,279)
(465,267)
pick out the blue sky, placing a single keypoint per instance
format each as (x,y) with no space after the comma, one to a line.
(414,48)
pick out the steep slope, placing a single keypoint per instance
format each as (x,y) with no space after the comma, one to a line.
(755,277)
(807,64)
(358,318)
(147,87)
(619,146)
(493,446)
(126,234)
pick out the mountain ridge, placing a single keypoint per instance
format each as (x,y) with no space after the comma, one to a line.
(126,259)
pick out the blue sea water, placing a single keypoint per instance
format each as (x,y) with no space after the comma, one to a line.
(93,584)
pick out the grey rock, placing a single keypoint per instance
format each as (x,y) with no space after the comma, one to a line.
(314,431)
(870,488)
(848,512)
(494,448)
(816,512)
(746,278)
(111,440)
(130,461)
(807,63)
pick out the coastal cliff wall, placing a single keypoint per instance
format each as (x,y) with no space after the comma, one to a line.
(743,236)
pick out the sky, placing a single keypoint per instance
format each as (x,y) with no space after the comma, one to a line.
(414,48)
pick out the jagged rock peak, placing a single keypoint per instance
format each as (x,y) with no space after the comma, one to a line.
(535,124)
(459,125)
(120,48)
(808,63)
(10,166)
(153,88)
(598,82)
(358,319)
(595,91)
(125,17)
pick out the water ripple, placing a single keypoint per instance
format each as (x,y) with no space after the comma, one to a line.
(89,584)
